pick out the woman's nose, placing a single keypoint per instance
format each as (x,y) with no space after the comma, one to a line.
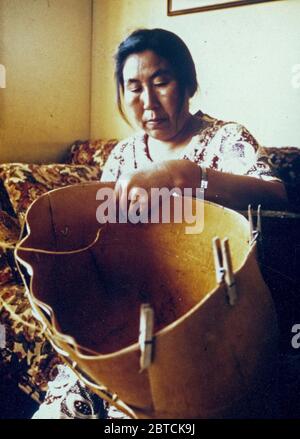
(149,99)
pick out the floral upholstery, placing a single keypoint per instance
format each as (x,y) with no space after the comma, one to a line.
(9,234)
(5,270)
(26,182)
(91,153)
(25,354)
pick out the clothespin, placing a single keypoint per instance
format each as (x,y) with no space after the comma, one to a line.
(146,335)
(255,234)
(223,267)
(217,252)
(229,276)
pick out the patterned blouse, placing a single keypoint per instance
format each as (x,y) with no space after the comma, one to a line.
(224,146)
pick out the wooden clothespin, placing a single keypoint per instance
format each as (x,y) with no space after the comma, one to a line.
(223,267)
(146,335)
(255,233)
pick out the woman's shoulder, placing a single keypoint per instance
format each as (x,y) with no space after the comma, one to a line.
(209,122)
(226,131)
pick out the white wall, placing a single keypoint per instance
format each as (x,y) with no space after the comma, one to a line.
(45,46)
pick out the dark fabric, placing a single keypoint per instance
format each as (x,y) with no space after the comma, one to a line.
(285,163)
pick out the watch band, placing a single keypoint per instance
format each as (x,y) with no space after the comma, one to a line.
(204,181)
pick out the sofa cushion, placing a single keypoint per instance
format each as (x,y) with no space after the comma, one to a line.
(5,204)
(26,356)
(26,182)
(91,153)
(9,235)
(6,274)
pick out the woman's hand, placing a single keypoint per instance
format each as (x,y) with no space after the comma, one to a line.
(133,190)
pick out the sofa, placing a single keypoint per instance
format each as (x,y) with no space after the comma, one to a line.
(26,356)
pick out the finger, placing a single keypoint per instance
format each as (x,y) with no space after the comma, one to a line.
(121,199)
(134,212)
(134,194)
(144,210)
(133,208)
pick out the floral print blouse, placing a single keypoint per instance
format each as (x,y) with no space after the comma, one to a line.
(224,146)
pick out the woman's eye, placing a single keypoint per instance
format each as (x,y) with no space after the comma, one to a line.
(136,90)
(134,87)
(161,84)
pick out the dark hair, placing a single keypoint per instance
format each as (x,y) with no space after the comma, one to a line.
(165,44)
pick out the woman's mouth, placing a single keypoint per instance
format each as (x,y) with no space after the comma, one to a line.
(155,123)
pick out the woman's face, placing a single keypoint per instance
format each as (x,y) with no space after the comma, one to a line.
(151,93)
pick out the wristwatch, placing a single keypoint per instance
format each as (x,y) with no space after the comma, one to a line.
(204,181)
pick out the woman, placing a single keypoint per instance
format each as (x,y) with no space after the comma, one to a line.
(156,77)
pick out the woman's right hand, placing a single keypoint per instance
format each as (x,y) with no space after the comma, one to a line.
(133,190)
